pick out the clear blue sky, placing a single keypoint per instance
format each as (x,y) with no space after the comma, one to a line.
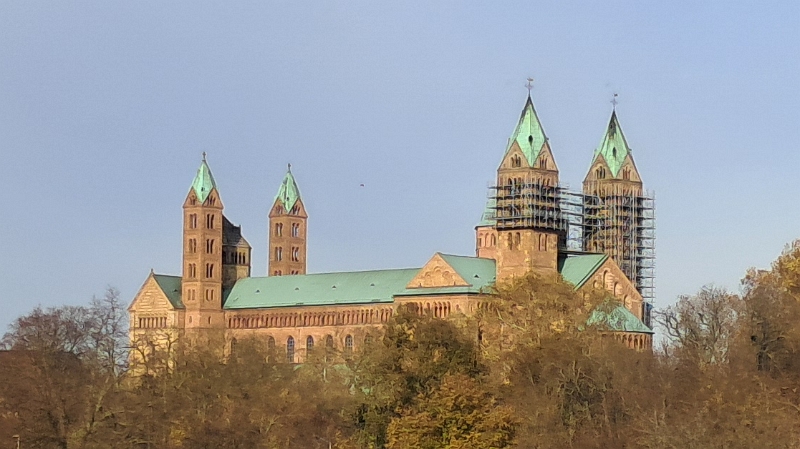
(105,108)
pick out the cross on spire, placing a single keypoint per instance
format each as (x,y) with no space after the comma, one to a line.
(529,85)
(204,156)
(614,101)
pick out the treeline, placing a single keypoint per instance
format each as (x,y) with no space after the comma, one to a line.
(525,372)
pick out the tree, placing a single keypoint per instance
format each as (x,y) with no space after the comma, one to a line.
(703,326)
(458,414)
(67,364)
(413,356)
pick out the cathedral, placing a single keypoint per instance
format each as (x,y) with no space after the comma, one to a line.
(600,237)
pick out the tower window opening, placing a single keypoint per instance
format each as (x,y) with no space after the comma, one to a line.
(278,254)
(209,246)
(516,161)
(295,230)
(209,270)
(193,221)
(278,229)
(614,152)
(543,163)
(295,254)
(210,221)
(600,173)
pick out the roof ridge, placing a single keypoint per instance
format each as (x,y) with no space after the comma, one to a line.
(331,272)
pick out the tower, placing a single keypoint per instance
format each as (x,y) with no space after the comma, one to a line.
(287,230)
(202,252)
(529,225)
(618,213)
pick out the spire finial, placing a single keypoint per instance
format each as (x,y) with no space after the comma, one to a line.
(290,167)
(204,156)
(529,85)
(614,101)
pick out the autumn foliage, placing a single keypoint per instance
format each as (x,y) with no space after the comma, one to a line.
(525,372)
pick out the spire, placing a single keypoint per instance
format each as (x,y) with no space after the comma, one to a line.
(288,193)
(614,148)
(529,134)
(203,182)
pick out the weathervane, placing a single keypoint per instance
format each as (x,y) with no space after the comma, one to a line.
(614,101)
(529,85)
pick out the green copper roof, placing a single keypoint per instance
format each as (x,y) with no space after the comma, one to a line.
(577,269)
(203,182)
(613,316)
(171,286)
(358,287)
(529,133)
(614,147)
(288,193)
(489,213)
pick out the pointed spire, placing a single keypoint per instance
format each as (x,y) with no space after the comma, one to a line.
(529,133)
(288,192)
(614,148)
(203,182)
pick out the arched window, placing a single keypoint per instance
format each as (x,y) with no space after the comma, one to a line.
(493,241)
(309,344)
(516,161)
(279,253)
(368,340)
(193,221)
(290,350)
(543,163)
(348,343)
(295,254)
(626,174)
(279,229)
(542,242)
(517,239)
(329,342)
(295,230)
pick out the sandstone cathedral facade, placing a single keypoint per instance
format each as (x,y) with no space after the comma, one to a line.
(593,238)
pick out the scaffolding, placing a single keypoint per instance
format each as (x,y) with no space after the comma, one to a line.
(620,223)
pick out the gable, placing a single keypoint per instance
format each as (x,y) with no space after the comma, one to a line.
(154,296)
(437,273)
